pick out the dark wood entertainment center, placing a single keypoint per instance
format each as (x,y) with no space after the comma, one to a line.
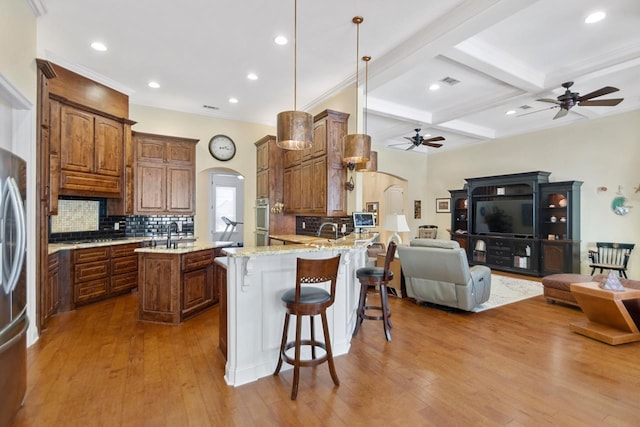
(520,223)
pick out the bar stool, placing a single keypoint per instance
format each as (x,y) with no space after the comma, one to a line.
(309,301)
(370,278)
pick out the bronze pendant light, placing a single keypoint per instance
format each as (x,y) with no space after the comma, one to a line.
(294,128)
(372,164)
(357,147)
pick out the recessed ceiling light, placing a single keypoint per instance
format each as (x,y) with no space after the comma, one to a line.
(154,85)
(99,46)
(510,112)
(434,86)
(233,100)
(252,76)
(280,40)
(595,17)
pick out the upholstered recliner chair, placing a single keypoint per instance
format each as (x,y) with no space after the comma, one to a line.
(437,271)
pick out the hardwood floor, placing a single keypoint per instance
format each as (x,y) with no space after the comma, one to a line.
(512,366)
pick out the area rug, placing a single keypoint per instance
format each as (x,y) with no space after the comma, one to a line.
(507,290)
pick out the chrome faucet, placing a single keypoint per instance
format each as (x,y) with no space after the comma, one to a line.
(332,224)
(171,225)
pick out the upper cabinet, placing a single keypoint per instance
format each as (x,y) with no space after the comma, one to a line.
(165,174)
(314,179)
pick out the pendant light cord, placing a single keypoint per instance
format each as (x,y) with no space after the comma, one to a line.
(358,20)
(295,53)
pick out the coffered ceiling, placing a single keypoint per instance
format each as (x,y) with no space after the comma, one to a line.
(504,55)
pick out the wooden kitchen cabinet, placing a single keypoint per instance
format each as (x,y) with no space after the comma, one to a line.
(175,287)
(316,186)
(124,268)
(165,174)
(49,295)
(90,153)
(220,266)
(91,274)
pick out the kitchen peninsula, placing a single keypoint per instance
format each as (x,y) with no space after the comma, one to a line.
(257,277)
(175,284)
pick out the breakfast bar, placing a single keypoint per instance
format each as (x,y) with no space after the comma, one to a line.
(257,277)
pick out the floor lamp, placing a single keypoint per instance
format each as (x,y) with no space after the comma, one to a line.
(398,224)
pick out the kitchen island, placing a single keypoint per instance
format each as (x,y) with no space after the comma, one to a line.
(176,284)
(256,279)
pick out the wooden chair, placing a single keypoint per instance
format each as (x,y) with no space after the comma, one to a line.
(611,256)
(309,301)
(427,231)
(372,278)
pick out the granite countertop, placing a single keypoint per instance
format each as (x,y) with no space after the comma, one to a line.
(189,244)
(185,248)
(300,243)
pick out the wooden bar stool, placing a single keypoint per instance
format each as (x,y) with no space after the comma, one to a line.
(309,301)
(370,279)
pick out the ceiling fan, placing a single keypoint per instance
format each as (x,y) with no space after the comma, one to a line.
(418,140)
(569,99)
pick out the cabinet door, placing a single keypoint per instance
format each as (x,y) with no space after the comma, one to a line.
(151,181)
(554,256)
(307,187)
(320,138)
(77,149)
(109,147)
(180,190)
(292,189)
(181,153)
(150,150)
(292,158)
(262,184)
(319,185)
(197,290)
(262,157)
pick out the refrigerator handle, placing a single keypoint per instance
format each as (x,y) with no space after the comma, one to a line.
(21,231)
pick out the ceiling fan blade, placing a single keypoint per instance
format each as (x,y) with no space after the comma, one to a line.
(537,111)
(601,102)
(563,112)
(411,147)
(431,144)
(553,101)
(410,139)
(602,91)
(435,138)
(393,145)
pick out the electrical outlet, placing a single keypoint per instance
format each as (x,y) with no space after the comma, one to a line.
(116,226)
(180,226)
(304,225)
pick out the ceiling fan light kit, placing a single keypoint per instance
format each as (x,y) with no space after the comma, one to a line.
(294,128)
(357,147)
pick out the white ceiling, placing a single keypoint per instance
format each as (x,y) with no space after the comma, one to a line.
(505,53)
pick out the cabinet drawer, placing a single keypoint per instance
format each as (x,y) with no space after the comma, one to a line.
(499,251)
(124,282)
(196,260)
(124,265)
(124,250)
(88,291)
(499,261)
(92,254)
(91,271)
(498,243)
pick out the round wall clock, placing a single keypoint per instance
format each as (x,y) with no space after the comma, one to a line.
(222,148)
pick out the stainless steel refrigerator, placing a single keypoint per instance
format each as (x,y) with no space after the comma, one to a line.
(13,286)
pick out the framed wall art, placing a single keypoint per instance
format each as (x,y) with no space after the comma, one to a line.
(443,205)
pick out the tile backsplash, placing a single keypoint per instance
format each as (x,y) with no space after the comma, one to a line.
(76,216)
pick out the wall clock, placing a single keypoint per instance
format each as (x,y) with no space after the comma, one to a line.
(222,148)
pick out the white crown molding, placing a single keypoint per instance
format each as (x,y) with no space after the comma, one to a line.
(38,7)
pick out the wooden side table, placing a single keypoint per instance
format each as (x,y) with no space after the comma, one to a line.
(613,316)
(397,282)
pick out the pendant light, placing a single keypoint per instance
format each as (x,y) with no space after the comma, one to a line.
(294,128)
(372,164)
(357,147)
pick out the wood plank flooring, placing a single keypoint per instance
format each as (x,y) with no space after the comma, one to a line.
(517,365)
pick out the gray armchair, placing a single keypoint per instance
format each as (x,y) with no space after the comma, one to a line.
(437,271)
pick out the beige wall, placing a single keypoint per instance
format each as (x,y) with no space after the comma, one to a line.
(18,46)
(603,152)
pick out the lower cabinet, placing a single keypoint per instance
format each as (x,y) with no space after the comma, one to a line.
(559,256)
(103,272)
(50,293)
(221,283)
(175,287)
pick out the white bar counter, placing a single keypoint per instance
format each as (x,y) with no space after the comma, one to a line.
(256,279)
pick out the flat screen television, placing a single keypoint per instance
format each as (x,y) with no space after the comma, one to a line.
(363,220)
(504,216)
